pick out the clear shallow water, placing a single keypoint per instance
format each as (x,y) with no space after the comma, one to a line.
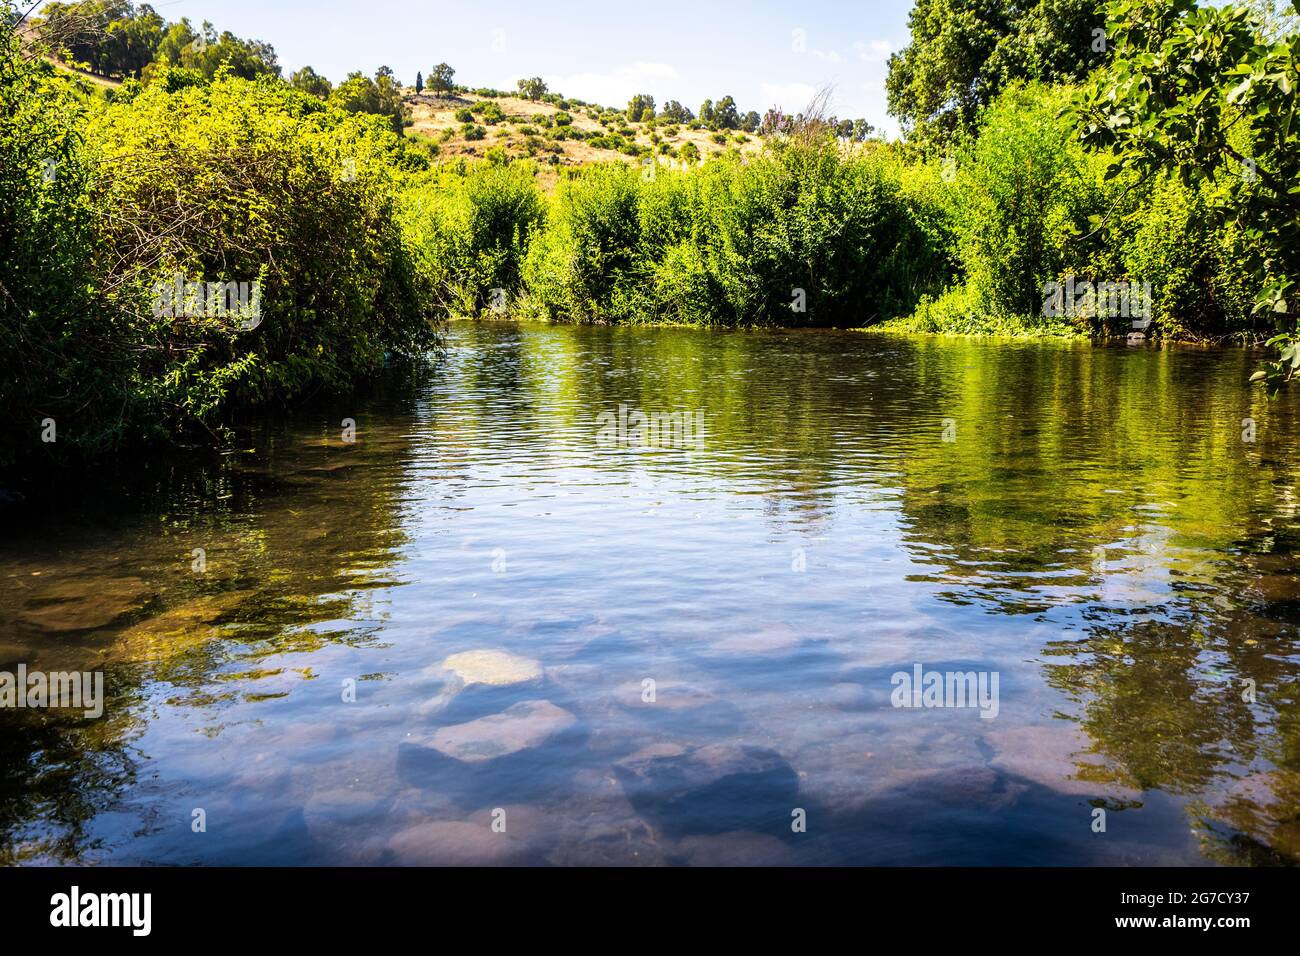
(1098,534)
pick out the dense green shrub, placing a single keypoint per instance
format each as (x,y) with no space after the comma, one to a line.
(59,351)
(262,183)
(381,96)
(231,182)
(800,235)
(472,225)
(1020,196)
(1027,210)
(1199,269)
(585,264)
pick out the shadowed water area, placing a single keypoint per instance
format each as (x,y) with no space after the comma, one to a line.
(497,585)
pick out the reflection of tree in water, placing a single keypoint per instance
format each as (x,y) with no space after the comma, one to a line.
(1164,703)
(1150,709)
(797,418)
(295,534)
(57,772)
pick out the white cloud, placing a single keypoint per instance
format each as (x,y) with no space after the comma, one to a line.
(617,86)
(874,52)
(790,97)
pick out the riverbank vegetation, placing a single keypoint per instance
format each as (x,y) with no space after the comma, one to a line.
(1074,150)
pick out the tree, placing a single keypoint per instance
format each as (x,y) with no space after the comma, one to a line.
(440,79)
(532,88)
(964,52)
(381,96)
(206,52)
(135,40)
(706,112)
(674,111)
(419,82)
(750,122)
(111,37)
(725,114)
(641,108)
(309,81)
(1204,94)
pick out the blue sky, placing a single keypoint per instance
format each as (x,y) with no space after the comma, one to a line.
(598,51)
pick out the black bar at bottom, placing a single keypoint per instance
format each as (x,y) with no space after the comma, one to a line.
(333,906)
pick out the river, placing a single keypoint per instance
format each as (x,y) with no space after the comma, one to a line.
(653,596)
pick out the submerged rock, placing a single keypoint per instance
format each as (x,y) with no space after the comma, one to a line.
(493,668)
(711,789)
(480,670)
(526,724)
(668,695)
(1056,756)
(333,815)
(452,843)
(774,639)
(82,604)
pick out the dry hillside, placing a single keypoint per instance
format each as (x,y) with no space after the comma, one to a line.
(533,128)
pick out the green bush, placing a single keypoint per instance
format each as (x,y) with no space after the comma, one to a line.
(1198,270)
(1019,199)
(471,226)
(1025,210)
(585,266)
(260,183)
(58,348)
(800,235)
(231,182)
